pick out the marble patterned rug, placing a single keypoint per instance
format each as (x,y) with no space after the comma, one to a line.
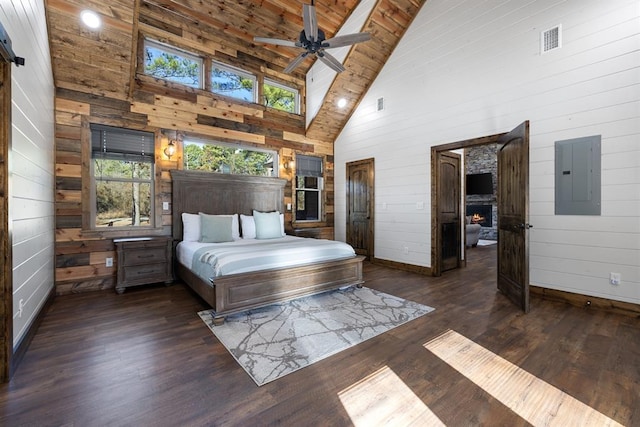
(279,339)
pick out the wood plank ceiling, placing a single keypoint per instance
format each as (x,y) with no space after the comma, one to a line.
(102,63)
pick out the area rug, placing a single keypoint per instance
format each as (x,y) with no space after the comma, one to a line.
(279,339)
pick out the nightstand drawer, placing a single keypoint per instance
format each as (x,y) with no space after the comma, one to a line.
(147,273)
(144,256)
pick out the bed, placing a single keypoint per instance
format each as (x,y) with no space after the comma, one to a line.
(219,194)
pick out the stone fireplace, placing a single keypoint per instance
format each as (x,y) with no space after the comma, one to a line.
(481,214)
(483,159)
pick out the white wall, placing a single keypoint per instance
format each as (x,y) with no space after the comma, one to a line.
(471,68)
(31,161)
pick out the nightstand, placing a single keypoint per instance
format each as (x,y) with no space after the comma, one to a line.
(142,261)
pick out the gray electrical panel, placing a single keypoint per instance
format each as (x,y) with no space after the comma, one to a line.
(578,176)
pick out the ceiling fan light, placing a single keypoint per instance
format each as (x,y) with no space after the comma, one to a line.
(90,19)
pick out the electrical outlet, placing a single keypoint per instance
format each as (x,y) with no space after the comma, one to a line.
(614,278)
(20,307)
(109,262)
(405,250)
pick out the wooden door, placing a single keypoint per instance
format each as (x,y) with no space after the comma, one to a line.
(360,210)
(6,279)
(448,213)
(513,216)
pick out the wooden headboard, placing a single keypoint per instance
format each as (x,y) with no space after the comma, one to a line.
(220,194)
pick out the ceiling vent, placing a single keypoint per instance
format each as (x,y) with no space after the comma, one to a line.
(380,104)
(551,39)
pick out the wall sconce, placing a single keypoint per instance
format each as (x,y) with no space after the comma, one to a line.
(288,165)
(170,149)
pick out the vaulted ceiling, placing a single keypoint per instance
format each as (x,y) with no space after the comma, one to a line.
(103,62)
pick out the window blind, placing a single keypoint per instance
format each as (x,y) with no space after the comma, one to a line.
(308,166)
(113,143)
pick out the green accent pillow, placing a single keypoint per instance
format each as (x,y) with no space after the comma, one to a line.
(215,228)
(267,225)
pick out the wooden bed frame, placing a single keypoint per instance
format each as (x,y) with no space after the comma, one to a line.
(221,194)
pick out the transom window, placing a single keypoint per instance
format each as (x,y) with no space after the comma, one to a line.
(168,63)
(309,186)
(230,81)
(122,170)
(281,97)
(218,157)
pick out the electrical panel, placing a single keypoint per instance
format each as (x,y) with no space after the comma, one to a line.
(577,176)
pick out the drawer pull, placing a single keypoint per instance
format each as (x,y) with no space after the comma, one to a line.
(146,271)
(146,256)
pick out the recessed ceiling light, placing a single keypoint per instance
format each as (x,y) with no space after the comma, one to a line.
(342,103)
(90,19)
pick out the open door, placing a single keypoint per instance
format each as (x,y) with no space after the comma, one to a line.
(513,216)
(448,214)
(360,206)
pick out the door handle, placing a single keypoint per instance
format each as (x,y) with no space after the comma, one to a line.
(525,226)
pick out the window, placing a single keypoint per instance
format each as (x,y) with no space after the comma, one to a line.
(230,81)
(228,158)
(122,171)
(281,97)
(172,64)
(308,188)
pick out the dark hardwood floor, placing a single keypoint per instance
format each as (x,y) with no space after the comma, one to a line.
(145,358)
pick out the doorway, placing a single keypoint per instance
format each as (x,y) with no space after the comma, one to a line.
(360,207)
(512,196)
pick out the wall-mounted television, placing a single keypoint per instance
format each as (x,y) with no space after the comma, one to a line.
(479,183)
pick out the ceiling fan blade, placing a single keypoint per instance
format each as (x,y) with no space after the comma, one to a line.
(293,64)
(346,40)
(330,61)
(310,22)
(278,42)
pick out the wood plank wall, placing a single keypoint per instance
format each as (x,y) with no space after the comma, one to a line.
(162,107)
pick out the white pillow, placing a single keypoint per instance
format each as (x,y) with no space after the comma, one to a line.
(249,226)
(282,225)
(191,227)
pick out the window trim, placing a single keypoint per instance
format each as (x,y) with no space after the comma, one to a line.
(238,71)
(296,91)
(175,51)
(88,193)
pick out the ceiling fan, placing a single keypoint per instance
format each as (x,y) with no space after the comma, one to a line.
(312,40)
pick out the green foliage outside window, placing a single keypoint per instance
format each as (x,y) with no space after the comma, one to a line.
(123,193)
(216,158)
(280,98)
(232,84)
(169,66)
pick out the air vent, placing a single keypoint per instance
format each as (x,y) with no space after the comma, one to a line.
(380,104)
(551,39)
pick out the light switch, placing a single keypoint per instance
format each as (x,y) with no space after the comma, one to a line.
(419,205)
(165,206)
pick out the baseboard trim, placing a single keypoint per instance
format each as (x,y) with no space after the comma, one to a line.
(425,271)
(21,350)
(579,300)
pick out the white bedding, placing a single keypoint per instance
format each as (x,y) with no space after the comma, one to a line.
(210,260)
